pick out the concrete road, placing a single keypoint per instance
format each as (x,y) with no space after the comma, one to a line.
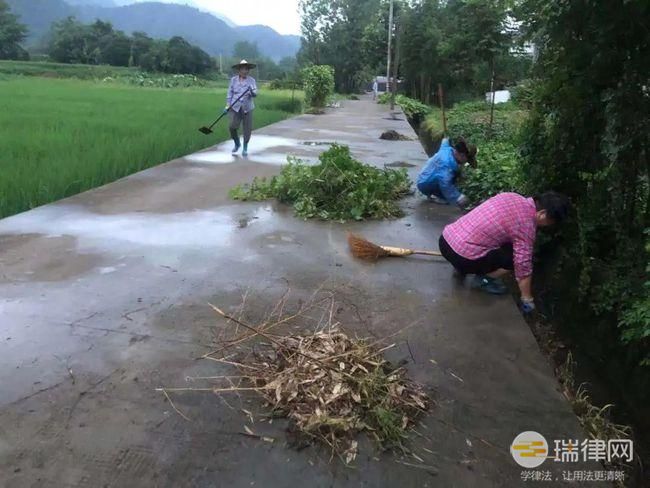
(104,299)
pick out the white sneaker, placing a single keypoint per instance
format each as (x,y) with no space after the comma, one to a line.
(438,200)
(462,201)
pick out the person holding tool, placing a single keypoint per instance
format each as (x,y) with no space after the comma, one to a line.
(437,179)
(239,104)
(498,236)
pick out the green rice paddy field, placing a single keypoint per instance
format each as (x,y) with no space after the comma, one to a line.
(59,137)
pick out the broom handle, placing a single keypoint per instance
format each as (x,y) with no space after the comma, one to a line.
(402,251)
(428,253)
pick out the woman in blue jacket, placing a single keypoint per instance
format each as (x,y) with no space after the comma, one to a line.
(437,178)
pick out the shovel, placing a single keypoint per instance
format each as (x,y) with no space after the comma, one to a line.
(208,130)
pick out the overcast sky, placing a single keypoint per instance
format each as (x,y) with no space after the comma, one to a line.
(281,15)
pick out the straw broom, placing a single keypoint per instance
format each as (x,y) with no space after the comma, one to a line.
(366,250)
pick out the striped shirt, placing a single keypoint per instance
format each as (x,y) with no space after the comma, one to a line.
(504,218)
(238,86)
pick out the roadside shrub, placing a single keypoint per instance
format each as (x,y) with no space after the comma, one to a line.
(278,84)
(285,105)
(497,171)
(498,167)
(587,137)
(383,98)
(338,188)
(318,84)
(413,109)
(523,94)
(471,121)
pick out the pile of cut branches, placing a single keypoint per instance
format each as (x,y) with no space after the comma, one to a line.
(330,386)
(337,188)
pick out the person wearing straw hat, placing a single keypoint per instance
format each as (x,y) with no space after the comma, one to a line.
(240,108)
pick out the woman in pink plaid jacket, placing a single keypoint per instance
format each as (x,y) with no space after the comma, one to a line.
(498,237)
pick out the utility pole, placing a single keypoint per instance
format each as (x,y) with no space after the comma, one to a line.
(220,64)
(393,91)
(390,41)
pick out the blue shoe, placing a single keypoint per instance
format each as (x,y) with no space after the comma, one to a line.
(489,285)
(245,151)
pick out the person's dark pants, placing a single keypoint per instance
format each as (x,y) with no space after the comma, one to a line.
(236,120)
(501,258)
(430,188)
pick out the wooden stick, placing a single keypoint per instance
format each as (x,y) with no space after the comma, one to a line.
(268,337)
(266,327)
(428,253)
(442,107)
(172,404)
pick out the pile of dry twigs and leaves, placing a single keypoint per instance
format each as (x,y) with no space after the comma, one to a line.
(329,385)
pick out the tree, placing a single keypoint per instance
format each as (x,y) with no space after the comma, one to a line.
(288,65)
(246,50)
(318,84)
(141,43)
(107,46)
(589,137)
(459,43)
(182,57)
(99,43)
(12,33)
(333,32)
(69,42)
(155,59)
(116,49)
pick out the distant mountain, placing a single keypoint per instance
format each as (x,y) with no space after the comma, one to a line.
(38,15)
(98,3)
(190,3)
(263,35)
(159,20)
(165,20)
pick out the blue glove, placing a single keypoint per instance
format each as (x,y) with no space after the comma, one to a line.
(527,305)
(225,110)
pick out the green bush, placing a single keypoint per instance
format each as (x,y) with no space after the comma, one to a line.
(318,84)
(471,121)
(383,98)
(497,163)
(524,93)
(497,171)
(587,136)
(278,84)
(338,188)
(411,107)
